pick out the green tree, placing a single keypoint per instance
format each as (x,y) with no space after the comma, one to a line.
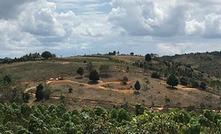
(94,76)
(202,86)
(155,75)
(39,92)
(7,79)
(137,85)
(46,55)
(148,58)
(183,81)
(172,80)
(80,71)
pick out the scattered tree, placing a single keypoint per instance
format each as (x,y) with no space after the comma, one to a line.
(183,81)
(172,80)
(202,86)
(132,53)
(137,85)
(80,71)
(148,58)
(94,76)
(7,79)
(70,90)
(155,75)
(46,55)
(39,92)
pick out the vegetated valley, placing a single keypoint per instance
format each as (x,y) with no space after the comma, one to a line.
(111,93)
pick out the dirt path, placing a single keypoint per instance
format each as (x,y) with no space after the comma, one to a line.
(99,85)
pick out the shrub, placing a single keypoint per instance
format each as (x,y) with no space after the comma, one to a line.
(155,75)
(172,80)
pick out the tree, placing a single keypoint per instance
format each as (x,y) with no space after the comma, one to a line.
(148,58)
(39,92)
(80,71)
(155,75)
(46,55)
(7,79)
(172,80)
(137,85)
(94,76)
(183,81)
(202,86)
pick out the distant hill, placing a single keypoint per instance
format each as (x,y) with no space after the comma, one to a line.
(209,62)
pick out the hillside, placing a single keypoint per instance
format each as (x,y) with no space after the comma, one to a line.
(209,62)
(59,75)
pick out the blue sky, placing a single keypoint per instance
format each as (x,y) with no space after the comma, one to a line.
(77,27)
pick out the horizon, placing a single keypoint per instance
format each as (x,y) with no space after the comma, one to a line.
(72,27)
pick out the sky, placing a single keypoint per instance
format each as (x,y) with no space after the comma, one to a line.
(77,27)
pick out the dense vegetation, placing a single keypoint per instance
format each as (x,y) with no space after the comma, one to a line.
(41,119)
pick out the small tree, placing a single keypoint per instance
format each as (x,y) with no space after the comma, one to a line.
(202,86)
(70,90)
(137,85)
(46,55)
(172,80)
(39,92)
(148,58)
(183,81)
(7,79)
(155,75)
(94,76)
(80,71)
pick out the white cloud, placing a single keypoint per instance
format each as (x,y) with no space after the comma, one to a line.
(164,27)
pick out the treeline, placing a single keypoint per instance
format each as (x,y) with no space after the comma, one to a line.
(42,119)
(29,57)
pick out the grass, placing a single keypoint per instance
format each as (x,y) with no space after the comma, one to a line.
(30,74)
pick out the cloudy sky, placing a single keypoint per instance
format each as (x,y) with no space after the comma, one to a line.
(73,27)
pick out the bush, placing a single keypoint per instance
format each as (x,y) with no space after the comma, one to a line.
(94,76)
(183,81)
(155,75)
(172,80)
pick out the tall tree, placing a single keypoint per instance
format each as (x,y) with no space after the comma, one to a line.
(137,85)
(46,55)
(80,71)
(148,58)
(172,80)
(94,76)
(39,92)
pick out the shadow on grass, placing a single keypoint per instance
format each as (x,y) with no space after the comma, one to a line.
(172,88)
(93,82)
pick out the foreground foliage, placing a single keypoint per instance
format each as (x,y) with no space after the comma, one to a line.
(42,119)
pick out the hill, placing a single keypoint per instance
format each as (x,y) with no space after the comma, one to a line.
(58,77)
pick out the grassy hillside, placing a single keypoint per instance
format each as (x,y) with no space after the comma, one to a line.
(109,91)
(209,62)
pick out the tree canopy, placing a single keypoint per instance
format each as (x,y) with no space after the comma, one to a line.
(172,80)
(80,71)
(94,76)
(46,55)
